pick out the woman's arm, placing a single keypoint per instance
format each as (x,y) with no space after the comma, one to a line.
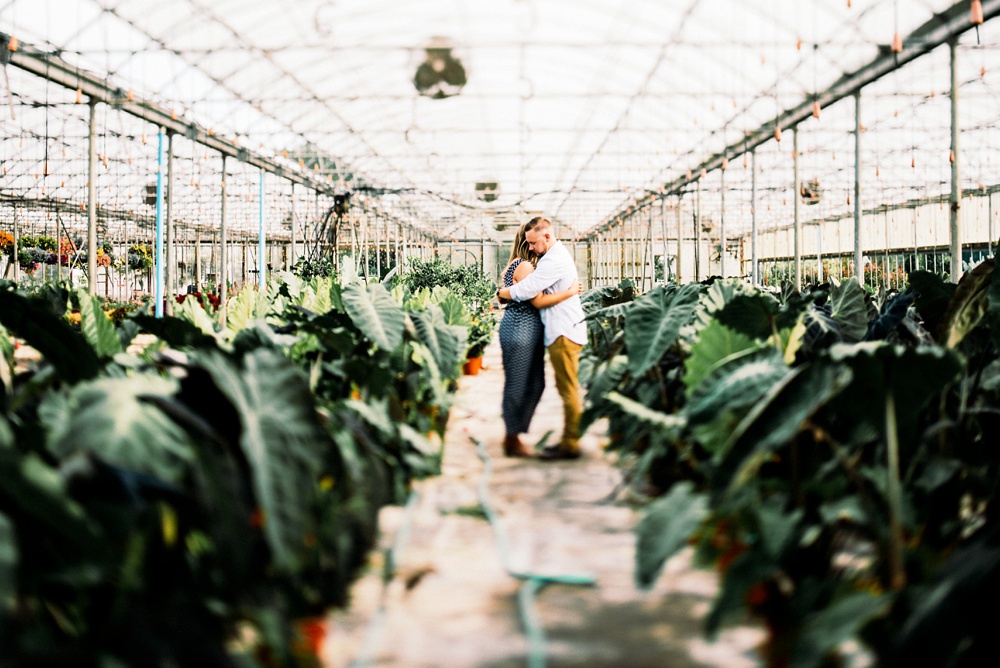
(543,300)
(520,271)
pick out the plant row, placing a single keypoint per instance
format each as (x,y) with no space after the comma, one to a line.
(832,453)
(190,503)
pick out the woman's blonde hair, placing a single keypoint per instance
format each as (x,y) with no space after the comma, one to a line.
(520,250)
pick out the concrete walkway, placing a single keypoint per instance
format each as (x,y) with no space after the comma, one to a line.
(452,602)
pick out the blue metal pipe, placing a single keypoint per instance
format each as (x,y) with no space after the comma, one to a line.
(159,226)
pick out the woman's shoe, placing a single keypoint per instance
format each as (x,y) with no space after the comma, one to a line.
(513,447)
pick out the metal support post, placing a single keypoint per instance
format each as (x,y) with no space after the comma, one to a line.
(170,258)
(956,185)
(158,277)
(754,271)
(222,269)
(859,270)
(797,242)
(92,199)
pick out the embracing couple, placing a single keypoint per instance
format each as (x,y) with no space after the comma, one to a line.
(544,312)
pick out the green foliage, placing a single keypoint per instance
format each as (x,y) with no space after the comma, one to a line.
(114,419)
(151,505)
(36,321)
(795,433)
(96,327)
(653,322)
(375,313)
(665,528)
(278,441)
(468,284)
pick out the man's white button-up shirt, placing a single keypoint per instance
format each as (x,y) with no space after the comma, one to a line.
(555,272)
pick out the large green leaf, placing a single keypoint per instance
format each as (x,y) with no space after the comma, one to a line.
(177,332)
(194,313)
(776,419)
(445,342)
(32,320)
(913,375)
(933,295)
(670,425)
(732,389)
(606,378)
(968,306)
(6,365)
(424,357)
(716,345)
(243,309)
(455,312)
(281,439)
(653,323)
(746,570)
(96,327)
(717,295)
(849,310)
(375,313)
(39,491)
(828,629)
(749,315)
(776,527)
(994,306)
(109,418)
(759,315)
(325,294)
(8,563)
(666,527)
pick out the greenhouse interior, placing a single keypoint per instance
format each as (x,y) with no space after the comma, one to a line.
(269,394)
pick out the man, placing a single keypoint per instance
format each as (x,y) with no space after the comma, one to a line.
(565,331)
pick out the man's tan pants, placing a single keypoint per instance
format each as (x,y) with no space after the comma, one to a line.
(565,358)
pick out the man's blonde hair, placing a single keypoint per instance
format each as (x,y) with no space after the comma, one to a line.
(538,223)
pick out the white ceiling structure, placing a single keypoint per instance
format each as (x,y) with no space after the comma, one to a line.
(575,109)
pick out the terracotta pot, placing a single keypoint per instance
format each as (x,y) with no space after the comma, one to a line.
(472,366)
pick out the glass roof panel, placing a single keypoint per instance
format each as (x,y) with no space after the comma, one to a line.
(574,107)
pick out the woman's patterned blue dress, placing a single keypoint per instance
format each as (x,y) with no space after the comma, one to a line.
(523,349)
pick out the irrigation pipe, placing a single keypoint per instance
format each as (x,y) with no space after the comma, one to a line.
(376,627)
(533,582)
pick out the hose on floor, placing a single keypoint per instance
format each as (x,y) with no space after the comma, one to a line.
(376,626)
(533,582)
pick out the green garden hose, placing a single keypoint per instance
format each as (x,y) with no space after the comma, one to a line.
(533,582)
(376,627)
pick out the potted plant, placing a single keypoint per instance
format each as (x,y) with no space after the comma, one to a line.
(480,335)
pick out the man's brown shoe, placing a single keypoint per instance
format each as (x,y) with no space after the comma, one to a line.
(513,447)
(553,452)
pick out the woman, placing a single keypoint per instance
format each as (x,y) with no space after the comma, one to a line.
(523,348)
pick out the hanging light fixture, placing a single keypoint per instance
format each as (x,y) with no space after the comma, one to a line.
(441,74)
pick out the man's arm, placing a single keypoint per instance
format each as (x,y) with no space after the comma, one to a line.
(546,275)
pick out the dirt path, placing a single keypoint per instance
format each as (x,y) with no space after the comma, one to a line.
(453,603)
